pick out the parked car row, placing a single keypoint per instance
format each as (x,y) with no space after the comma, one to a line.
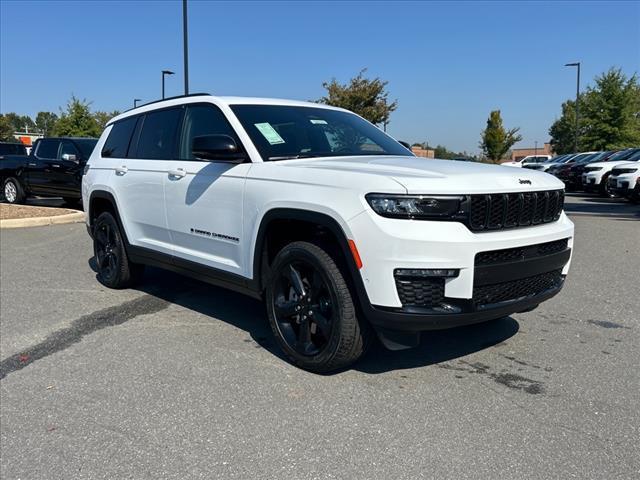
(610,173)
(54,168)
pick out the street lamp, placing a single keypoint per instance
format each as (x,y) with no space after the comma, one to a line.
(576,64)
(536,149)
(185,45)
(165,72)
(135,102)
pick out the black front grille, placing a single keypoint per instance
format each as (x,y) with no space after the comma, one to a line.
(520,253)
(420,292)
(510,210)
(516,289)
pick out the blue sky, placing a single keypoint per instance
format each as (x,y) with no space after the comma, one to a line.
(448,64)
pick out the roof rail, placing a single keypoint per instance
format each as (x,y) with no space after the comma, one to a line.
(169,98)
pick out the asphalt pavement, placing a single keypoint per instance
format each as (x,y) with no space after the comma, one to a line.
(178,379)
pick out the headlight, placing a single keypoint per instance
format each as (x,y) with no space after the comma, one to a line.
(414,206)
(592,169)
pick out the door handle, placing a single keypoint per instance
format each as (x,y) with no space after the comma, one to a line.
(33,164)
(178,172)
(121,170)
(55,165)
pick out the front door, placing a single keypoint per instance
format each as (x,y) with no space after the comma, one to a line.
(204,199)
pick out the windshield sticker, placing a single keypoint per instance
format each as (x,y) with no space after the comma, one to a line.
(317,121)
(269,133)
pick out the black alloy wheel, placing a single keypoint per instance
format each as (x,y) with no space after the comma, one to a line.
(113,266)
(304,307)
(311,310)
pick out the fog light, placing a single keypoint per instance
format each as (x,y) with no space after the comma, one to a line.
(427,272)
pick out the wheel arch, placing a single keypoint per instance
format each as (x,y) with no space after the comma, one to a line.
(278,216)
(101,201)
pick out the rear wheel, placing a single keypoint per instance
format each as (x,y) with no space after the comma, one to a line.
(12,191)
(114,268)
(311,311)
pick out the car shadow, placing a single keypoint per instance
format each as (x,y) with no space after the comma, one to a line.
(248,314)
(603,207)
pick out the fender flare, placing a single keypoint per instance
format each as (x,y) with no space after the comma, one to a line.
(310,216)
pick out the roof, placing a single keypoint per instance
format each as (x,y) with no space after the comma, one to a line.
(217,100)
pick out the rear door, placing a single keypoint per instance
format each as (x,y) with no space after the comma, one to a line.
(204,198)
(40,167)
(139,151)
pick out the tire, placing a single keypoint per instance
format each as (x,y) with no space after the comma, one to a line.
(311,311)
(604,188)
(114,268)
(12,191)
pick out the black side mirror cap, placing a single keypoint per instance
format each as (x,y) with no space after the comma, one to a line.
(405,144)
(221,148)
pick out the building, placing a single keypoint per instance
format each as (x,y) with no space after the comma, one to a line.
(27,138)
(520,153)
(422,152)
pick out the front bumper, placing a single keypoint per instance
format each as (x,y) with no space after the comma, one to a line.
(591,181)
(386,245)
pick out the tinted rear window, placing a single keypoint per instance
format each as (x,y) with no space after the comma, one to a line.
(12,149)
(117,143)
(158,136)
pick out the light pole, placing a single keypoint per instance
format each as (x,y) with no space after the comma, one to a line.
(165,72)
(185,43)
(576,64)
(135,102)
(536,149)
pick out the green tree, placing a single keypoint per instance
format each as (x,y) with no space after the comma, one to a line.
(366,97)
(609,116)
(496,140)
(20,123)
(102,118)
(77,120)
(6,130)
(611,112)
(46,122)
(563,130)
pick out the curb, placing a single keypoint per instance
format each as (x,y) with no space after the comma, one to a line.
(77,217)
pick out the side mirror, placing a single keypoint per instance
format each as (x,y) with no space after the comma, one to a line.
(220,148)
(405,144)
(69,157)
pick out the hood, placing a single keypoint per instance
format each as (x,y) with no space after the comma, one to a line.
(421,175)
(608,165)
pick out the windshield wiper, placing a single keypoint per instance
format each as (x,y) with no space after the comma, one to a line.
(293,157)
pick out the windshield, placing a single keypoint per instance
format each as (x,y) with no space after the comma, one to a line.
(282,132)
(622,154)
(86,146)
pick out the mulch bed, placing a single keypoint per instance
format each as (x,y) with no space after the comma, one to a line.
(22,211)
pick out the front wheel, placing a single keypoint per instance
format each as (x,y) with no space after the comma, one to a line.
(13,192)
(114,268)
(605,189)
(311,311)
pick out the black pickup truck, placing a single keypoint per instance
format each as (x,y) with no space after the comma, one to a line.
(53,169)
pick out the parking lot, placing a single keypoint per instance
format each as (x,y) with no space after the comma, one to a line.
(180,379)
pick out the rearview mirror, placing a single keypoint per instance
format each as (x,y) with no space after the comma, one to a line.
(220,148)
(70,157)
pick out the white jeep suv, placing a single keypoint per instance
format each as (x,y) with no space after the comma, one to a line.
(595,177)
(625,181)
(340,229)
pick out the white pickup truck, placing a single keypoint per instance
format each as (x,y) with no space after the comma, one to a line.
(341,230)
